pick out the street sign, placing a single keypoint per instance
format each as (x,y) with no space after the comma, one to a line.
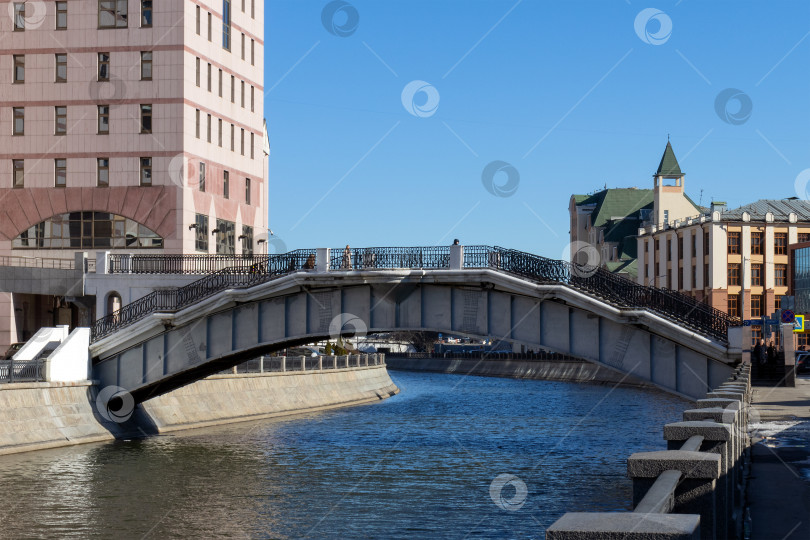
(788,316)
(798,323)
(746,323)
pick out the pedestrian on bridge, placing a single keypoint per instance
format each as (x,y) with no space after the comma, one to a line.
(771,353)
(755,354)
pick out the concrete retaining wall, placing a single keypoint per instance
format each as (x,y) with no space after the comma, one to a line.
(551,370)
(35,416)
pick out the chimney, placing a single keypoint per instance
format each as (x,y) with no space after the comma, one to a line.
(718,206)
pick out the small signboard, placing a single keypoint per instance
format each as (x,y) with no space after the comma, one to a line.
(746,323)
(788,316)
(798,323)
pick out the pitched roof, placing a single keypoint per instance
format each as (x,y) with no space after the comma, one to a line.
(618,202)
(779,207)
(669,164)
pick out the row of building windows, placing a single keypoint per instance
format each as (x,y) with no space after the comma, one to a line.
(208,129)
(60,119)
(225,232)
(780,274)
(680,247)
(87,230)
(757,307)
(103,175)
(219,86)
(226,32)
(780,242)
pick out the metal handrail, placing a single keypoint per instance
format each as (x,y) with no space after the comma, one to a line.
(13,371)
(235,277)
(179,264)
(594,281)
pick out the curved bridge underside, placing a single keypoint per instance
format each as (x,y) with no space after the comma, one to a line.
(167,350)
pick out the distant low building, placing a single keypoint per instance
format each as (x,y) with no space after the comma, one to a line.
(609,219)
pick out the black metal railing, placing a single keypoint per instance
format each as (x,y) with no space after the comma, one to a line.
(389,258)
(14,371)
(235,277)
(595,282)
(181,264)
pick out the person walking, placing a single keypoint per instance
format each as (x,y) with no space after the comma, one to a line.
(763,352)
(771,353)
(755,353)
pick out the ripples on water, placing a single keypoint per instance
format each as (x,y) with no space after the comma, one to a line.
(418,464)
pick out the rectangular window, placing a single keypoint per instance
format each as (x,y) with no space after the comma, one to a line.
(780,275)
(226,184)
(734,305)
(19,16)
(734,243)
(61,68)
(757,243)
(146,13)
(201,233)
(756,275)
(103,171)
(19,120)
(252,9)
(666,216)
(197,78)
(669,250)
(61,15)
(19,68)
(243,45)
(680,277)
(252,98)
(780,241)
(243,6)
(104,66)
(756,306)
(804,237)
(247,241)
(210,27)
(146,119)
(208,129)
(233,89)
(243,94)
(146,171)
(60,172)
(197,130)
(60,120)
(706,243)
(219,132)
(197,20)
(706,284)
(226,244)
(19,172)
(251,145)
(220,83)
(202,176)
(252,52)
(694,277)
(247,190)
(146,65)
(209,77)
(232,137)
(112,13)
(242,142)
(734,273)
(226,24)
(680,247)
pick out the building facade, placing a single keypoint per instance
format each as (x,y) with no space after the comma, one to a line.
(128,125)
(734,260)
(606,222)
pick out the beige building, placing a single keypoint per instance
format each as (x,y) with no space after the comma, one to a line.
(128,125)
(604,224)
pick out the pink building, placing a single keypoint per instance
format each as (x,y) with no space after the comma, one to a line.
(132,126)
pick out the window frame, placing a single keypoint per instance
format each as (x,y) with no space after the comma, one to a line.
(247,191)
(146,114)
(144,10)
(757,274)
(197,20)
(57,168)
(201,182)
(101,115)
(197,123)
(18,16)
(120,18)
(758,247)
(780,243)
(57,56)
(103,169)
(61,12)
(18,64)
(147,62)
(18,172)
(226,25)
(733,274)
(780,281)
(733,247)
(101,63)
(201,233)
(226,184)
(17,113)
(56,117)
(145,168)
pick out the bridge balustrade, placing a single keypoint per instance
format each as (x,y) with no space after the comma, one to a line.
(276,364)
(15,371)
(246,272)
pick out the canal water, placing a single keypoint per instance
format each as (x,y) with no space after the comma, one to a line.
(450,456)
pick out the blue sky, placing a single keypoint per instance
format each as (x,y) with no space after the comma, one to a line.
(566,92)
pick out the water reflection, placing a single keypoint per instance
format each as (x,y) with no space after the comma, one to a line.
(421,463)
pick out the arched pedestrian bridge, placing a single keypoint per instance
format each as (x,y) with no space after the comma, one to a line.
(172,337)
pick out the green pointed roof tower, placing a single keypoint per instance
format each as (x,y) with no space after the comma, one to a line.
(669,168)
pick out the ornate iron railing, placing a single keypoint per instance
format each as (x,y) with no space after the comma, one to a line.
(596,282)
(235,277)
(13,371)
(389,258)
(180,264)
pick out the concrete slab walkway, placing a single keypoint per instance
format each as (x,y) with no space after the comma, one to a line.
(779,485)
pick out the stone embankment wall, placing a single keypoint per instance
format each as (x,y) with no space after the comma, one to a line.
(516,366)
(35,416)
